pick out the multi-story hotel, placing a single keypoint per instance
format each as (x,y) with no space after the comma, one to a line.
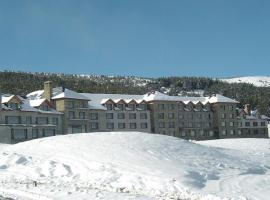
(185,117)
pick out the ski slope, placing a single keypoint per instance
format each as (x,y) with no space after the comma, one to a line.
(133,165)
(259,81)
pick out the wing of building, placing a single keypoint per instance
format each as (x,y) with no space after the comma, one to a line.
(57,110)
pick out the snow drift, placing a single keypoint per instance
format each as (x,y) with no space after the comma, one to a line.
(137,165)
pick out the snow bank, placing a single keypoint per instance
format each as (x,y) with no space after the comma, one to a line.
(131,164)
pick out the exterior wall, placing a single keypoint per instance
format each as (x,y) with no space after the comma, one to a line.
(27,121)
(253,128)
(117,123)
(176,119)
(225,120)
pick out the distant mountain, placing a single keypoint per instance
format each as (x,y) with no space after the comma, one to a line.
(258,81)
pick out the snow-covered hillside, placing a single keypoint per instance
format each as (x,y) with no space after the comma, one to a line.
(259,81)
(132,165)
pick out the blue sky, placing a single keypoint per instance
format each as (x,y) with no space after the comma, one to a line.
(150,38)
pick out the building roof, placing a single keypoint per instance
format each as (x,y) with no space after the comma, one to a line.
(98,99)
(57,93)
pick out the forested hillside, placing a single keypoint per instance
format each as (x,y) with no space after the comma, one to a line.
(22,83)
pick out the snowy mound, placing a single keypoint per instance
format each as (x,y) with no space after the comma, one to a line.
(259,81)
(131,165)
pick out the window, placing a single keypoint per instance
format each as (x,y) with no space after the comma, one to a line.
(14,106)
(192,133)
(232,132)
(143,106)
(171,115)
(183,133)
(190,125)
(71,104)
(109,115)
(190,116)
(211,133)
(132,115)
(109,106)
(82,115)
(239,132)
(231,116)
(133,125)
(222,107)
(143,125)
(171,106)
(34,133)
(42,120)
(161,115)
(223,123)
(131,106)
(121,125)
(209,116)
(180,107)
(93,125)
(161,125)
(71,115)
(48,132)
(143,116)
(120,106)
(262,123)
(230,107)
(110,125)
(93,116)
(255,123)
(19,134)
(180,116)
(247,123)
(55,121)
(171,124)
(28,120)
(13,119)
(161,106)
(199,116)
(121,115)
(201,132)
(231,124)
(44,107)
(255,132)
(224,132)
(223,115)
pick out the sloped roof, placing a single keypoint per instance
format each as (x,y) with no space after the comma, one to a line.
(57,93)
(221,99)
(36,102)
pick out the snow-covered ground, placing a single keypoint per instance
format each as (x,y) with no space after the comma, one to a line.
(259,81)
(132,165)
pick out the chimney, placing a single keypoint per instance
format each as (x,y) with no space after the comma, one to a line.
(247,109)
(48,90)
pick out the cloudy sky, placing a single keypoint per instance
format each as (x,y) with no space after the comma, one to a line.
(150,38)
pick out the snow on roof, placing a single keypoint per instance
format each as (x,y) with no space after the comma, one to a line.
(6,99)
(221,99)
(158,96)
(98,99)
(57,93)
(35,95)
(36,102)
(69,94)
(26,106)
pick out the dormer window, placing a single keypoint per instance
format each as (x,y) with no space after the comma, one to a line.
(120,106)
(109,106)
(142,106)
(14,106)
(131,106)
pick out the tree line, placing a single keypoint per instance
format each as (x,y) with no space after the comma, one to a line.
(22,83)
